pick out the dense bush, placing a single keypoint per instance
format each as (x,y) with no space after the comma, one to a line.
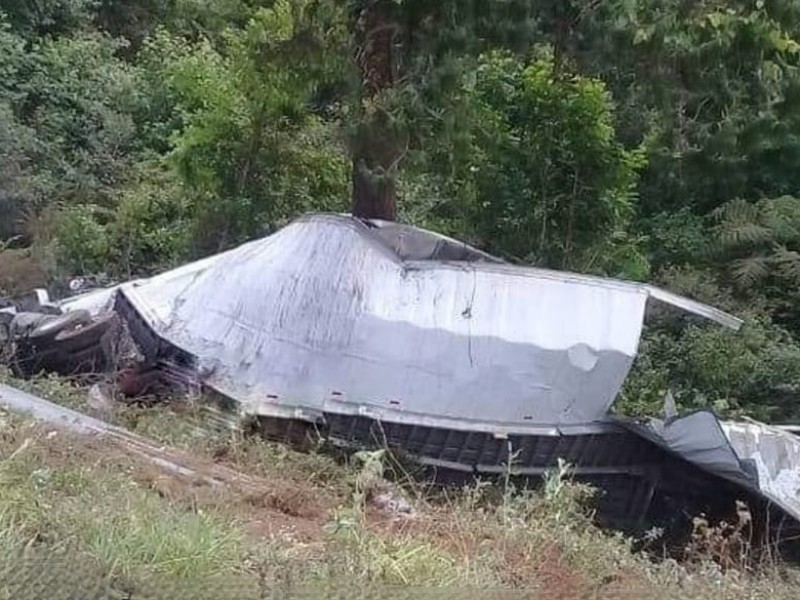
(755,371)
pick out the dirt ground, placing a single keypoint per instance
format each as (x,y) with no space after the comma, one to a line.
(292,511)
(275,508)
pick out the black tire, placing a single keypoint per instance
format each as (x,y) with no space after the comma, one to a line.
(77,350)
(49,330)
(82,337)
(89,360)
(29,361)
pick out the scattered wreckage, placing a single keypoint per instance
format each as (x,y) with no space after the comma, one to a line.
(36,335)
(382,334)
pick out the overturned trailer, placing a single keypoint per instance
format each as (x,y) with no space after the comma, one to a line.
(380,333)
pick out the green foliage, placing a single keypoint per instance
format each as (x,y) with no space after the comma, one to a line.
(48,17)
(634,139)
(755,371)
(543,177)
(80,100)
(148,231)
(761,240)
(151,226)
(17,179)
(757,248)
(252,151)
(67,131)
(712,89)
(676,238)
(81,241)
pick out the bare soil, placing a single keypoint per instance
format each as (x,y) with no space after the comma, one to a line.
(277,507)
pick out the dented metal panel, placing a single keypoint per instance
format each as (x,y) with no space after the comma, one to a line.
(757,458)
(320,313)
(334,314)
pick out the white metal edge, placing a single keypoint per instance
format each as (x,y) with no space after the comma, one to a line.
(692,306)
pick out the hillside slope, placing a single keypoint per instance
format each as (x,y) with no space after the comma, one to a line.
(106,524)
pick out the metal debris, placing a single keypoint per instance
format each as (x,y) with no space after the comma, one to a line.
(336,315)
(388,335)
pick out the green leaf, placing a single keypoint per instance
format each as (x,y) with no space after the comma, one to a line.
(749,271)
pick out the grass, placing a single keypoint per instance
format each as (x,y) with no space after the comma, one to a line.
(77,514)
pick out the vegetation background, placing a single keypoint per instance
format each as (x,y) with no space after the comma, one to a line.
(652,140)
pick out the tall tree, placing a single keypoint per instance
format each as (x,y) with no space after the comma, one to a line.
(375,147)
(412,57)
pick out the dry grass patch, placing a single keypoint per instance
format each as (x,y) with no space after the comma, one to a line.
(313,525)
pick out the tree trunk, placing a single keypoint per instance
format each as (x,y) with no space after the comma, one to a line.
(375,148)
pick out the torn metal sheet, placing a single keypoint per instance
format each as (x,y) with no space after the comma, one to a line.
(336,314)
(700,439)
(692,306)
(775,454)
(756,457)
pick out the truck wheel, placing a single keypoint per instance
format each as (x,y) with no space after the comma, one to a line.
(47,331)
(88,360)
(85,336)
